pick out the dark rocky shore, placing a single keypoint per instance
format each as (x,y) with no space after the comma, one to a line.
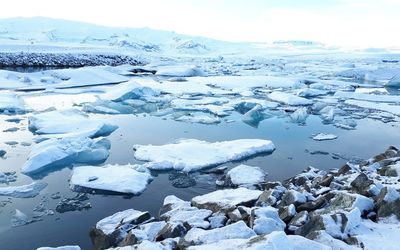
(63,60)
(313,210)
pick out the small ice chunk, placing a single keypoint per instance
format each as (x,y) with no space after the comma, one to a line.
(116,178)
(11,103)
(299,116)
(244,175)
(24,191)
(69,123)
(181,71)
(324,137)
(289,99)
(128,90)
(199,118)
(60,248)
(191,154)
(64,152)
(19,219)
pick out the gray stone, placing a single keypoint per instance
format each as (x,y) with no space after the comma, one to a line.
(266,199)
(325,182)
(361,184)
(172,230)
(293,197)
(287,213)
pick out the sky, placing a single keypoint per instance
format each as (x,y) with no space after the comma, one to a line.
(350,23)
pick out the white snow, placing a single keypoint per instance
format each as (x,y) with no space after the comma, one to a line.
(324,137)
(110,223)
(64,152)
(244,175)
(117,178)
(23,191)
(227,198)
(60,248)
(238,230)
(69,123)
(192,154)
(180,70)
(301,243)
(391,108)
(289,99)
(11,103)
(273,241)
(267,220)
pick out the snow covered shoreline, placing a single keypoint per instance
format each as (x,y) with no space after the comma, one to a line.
(345,208)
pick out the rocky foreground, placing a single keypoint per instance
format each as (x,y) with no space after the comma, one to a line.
(354,207)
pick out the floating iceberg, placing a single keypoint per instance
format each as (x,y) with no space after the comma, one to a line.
(128,90)
(181,71)
(69,123)
(299,116)
(324,137)
(24,191)
(289,99)
(199,118)
(244,175)
(63,152)
(116,178)
(10,103)
(191,154)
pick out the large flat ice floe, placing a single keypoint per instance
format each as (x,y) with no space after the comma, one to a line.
(289,99)
(64,152)
(191,154)
(69,123)
(116,178)
(24,191)
(62,78)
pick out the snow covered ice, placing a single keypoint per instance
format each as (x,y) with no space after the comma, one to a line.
(191,154)
(64,152)
(122,179)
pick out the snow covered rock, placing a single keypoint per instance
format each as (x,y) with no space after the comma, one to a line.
(115,178)
(197,236)
(243,176)
(190,154)
(24,191)
(64,152)
(339,225)
(289,99)
(113,229)
(265,220)
(69,123)
(226,199)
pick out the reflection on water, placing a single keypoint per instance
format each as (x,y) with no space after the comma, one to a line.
(289,158)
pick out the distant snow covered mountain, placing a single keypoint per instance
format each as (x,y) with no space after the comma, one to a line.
(55,32)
